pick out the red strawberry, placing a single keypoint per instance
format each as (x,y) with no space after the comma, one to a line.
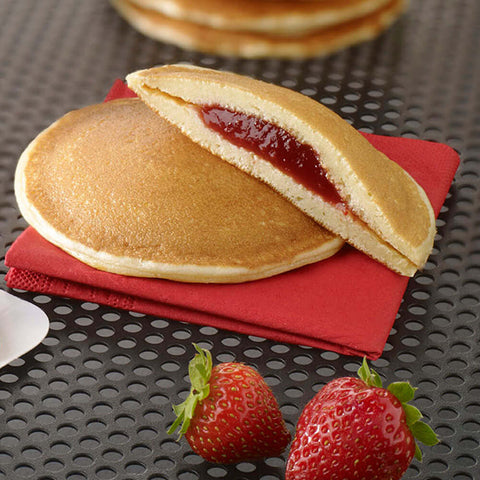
(354,429)
(231,414)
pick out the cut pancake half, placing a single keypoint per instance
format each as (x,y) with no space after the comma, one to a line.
(121,189)
(304,151)
(285,17)
(258,44)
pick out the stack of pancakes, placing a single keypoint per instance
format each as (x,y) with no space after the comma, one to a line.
(261,28)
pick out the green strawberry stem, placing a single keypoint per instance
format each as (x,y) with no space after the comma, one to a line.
(199,371)
(405,393)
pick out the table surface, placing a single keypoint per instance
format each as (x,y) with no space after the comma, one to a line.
(94,399)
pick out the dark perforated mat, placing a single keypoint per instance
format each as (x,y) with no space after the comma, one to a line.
(93,400)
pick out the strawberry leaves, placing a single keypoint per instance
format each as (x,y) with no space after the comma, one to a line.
(412,413)
(199,371)
(402,390)
(423,433)
(405,393)
(370,377)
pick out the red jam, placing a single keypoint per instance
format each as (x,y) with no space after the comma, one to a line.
(275,145)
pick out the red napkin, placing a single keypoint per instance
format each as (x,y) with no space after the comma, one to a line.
(347,303)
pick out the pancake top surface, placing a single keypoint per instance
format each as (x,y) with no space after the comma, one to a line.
(117,178)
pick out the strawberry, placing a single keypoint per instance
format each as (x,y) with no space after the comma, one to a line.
(354,429)
(230,414)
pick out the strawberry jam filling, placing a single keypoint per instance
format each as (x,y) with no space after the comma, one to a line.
(274,145)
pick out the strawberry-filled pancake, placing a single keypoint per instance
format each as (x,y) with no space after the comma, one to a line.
(314,158)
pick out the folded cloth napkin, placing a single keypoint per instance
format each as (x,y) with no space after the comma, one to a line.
(346,304)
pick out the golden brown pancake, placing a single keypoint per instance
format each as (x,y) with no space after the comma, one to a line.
(283,17)
(122,190)
(376,206)
(257,44)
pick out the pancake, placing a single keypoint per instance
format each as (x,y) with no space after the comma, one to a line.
(257,44)
(285,17)
(122,190)
(304,151)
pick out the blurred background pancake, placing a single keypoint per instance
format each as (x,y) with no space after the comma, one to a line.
(122,190)
(261,28)
(281,17)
